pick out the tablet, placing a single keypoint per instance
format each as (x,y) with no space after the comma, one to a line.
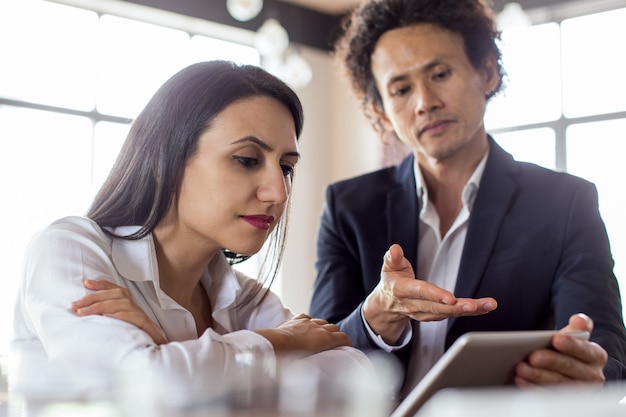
(477,359)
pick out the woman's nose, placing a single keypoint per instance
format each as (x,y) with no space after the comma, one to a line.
(275,186)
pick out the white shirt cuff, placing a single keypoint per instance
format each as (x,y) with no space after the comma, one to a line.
(404,340)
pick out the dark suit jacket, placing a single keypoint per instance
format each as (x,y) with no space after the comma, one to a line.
(535,243)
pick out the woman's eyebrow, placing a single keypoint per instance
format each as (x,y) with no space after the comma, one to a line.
(262,144)
(253,139)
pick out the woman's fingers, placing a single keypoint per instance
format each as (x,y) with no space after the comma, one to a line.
(103,295)
(103,290)
(100,284)
(104,307)
(107,298)
(111,300)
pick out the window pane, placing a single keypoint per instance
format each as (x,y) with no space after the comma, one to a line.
(45,169)
(533,145)
(204,49)
(532,91)
(135,59)
(48,53)
(594,64)
(108,140)
(595,152)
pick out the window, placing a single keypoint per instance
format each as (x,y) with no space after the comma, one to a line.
(593,152)
(593,64)
(564,107)
(532,66)
(70,81)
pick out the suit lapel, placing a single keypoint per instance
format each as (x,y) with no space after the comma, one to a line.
(403,211)
(495,194)
(402,215)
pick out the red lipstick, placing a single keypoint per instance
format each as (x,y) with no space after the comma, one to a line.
(260,221)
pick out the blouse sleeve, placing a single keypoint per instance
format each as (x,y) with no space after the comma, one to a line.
(48,333)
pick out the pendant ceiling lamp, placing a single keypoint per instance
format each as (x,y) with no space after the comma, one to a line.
(244,10)
(271,40)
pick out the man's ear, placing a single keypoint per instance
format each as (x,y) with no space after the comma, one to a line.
(380,114)
(491,75)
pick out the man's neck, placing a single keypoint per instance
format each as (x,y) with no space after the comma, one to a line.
(445,180)
(449,176)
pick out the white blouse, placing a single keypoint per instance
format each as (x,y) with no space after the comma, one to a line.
(72,249)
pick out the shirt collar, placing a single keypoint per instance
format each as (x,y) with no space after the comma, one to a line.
(136,260)
(469,190)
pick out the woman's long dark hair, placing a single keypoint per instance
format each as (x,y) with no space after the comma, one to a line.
(145,178)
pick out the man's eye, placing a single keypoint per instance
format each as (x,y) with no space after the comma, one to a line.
(287,170)
(246,161)
(441,75)
(400,91)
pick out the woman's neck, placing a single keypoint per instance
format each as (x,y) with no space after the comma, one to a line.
(182,260)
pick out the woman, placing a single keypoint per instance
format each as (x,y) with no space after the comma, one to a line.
(203,177)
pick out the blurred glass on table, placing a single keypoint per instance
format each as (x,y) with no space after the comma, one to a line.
(329,383)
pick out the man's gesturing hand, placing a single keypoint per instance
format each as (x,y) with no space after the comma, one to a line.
(399,297)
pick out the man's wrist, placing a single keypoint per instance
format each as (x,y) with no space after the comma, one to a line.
(402,341)
(389,326)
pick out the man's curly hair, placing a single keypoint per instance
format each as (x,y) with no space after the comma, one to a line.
(363,27)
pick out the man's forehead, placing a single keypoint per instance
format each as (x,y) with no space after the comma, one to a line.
(414,49)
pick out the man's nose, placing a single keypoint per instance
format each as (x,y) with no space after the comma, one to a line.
(426,100)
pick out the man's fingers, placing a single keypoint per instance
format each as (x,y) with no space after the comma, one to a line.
(395,252)
(528,375)
(574,357)
(433,311)
(394,259)
(419,290)
(579,322)
(546,366)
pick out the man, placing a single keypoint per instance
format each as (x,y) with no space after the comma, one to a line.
(469,239)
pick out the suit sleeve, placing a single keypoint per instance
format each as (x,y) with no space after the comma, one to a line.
(339,289)
(585,281)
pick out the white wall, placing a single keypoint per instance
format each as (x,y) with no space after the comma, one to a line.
(337,143)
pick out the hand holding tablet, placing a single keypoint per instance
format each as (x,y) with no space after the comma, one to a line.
(478,359)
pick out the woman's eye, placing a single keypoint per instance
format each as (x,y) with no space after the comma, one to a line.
(246,161)
(287,170)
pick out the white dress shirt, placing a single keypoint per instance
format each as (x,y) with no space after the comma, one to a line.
(72,249)
(438,262)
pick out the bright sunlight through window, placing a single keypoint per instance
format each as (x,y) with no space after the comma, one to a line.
(60,66)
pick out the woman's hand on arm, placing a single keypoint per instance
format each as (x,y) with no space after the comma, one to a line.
(111,300)
(305,334)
